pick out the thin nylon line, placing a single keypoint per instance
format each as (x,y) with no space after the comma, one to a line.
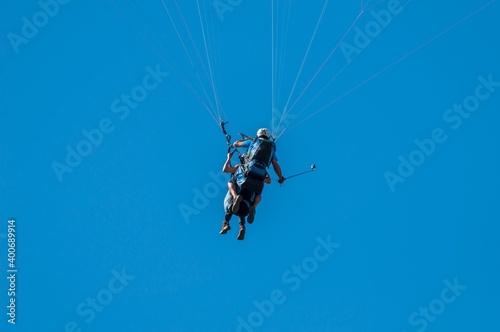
(272,68)
(363,10)
(373,6)
(303,61)
(283,50)
(395,62)
(216,58)
(213,59)
(177,32)
(324,63)
(335,76)
(286,112)
(208,60)
(178,71)
(191,37)
(187,53)
(329,56)
(197,52)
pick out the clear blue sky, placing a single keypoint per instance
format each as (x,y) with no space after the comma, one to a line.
(406,189)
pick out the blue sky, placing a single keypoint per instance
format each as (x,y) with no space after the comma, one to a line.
(394,231)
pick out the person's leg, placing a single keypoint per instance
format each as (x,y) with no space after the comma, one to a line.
(241,233)
(225,223)
(258,198)
(237,198)
(252,209)
(228,201)
(233,189)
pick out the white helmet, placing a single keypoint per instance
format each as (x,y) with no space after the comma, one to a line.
(264,132)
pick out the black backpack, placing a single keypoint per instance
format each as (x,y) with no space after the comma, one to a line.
(262,150)
(259,158)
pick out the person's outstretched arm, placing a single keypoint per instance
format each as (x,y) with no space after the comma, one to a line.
(277,170)
(227,168)
(239,143)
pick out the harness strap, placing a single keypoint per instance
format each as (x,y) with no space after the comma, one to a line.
(228,137)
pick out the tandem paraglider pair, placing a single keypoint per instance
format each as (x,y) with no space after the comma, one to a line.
(248,178)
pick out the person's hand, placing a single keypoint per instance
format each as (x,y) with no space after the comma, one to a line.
(280,181)
(229,155)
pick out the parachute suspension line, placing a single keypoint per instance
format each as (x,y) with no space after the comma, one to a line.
(304,59)
(279,43)
(403,57)
(273,72)
(317,73)
(191,37)
(217,101)
(281,55)
(178,71)
(211,109)
(397,61)
(211,52)
(326,60)
(365,4)
(215,45)
(327,84)
(197,52)
(372,6)
(340,71)
(177,32)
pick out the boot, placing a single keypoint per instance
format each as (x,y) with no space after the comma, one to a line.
(241,234)
(251,214)
(225,227)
